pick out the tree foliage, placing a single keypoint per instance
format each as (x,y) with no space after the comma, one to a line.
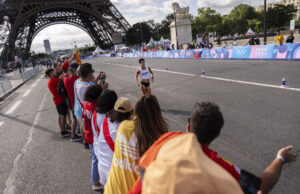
(39,56)
(239,20)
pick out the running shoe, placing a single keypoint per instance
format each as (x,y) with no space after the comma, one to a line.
(76,138)
(65,134)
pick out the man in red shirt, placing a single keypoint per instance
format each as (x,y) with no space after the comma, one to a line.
(69,85)
(206,122)
(59,101)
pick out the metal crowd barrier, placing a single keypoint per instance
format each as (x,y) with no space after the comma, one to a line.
(6,87)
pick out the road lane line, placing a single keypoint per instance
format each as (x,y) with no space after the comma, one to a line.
(1,123)
(9,183)
(27,92)
(33,85)
(218,78)
(14,107)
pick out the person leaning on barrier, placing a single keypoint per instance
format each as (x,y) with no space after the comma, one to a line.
(206,122)
(279,39)
(290,38)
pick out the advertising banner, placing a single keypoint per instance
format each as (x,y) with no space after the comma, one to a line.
(271,52)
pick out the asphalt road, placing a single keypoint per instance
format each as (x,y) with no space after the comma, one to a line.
(259,119)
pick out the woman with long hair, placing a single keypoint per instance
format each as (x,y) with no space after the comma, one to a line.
(149,123)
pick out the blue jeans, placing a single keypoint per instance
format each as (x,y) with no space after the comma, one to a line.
(94,169)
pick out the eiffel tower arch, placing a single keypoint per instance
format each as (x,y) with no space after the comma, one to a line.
(99,18)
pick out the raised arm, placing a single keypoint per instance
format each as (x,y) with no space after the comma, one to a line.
(271,175)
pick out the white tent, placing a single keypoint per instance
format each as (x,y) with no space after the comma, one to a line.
(250,32)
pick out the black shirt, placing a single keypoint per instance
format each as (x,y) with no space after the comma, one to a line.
(290,39)
(257,41)
(251,41)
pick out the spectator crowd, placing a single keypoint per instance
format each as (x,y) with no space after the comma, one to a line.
(132,149)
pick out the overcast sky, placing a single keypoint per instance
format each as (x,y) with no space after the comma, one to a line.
(63,36)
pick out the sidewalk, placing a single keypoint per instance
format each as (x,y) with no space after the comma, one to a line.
(9,82)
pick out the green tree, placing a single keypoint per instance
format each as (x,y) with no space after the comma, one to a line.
(139,33)
(280,15)
(40,56)
(207,20)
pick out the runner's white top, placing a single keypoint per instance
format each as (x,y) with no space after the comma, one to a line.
(145,74)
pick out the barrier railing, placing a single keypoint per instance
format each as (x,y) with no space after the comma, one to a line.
(266,52)
(6,87)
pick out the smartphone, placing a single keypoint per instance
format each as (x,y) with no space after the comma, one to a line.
(102,80)
(249,183)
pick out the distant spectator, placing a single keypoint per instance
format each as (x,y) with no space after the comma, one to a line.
(149,127)
(257,40)
(58,69)
(177,165)
(148,120)
(124,170)
(279,39)
(290,38)
(69,85)
(59,101)
(86,74)
(234,43)
(251,41)
(91,95)
(107,132)
(225,45)
(206,122)
(219,40)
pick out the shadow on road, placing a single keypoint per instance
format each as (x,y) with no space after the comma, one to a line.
(26,123)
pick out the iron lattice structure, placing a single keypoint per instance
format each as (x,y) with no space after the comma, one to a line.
(99,18)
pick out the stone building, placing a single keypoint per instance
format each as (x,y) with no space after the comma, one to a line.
(296,3)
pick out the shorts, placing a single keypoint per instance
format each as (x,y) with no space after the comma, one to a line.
(62,109)
(145,84)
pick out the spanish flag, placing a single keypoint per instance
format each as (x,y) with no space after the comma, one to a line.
(77,58)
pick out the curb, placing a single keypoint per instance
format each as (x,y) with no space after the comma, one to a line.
(4,96)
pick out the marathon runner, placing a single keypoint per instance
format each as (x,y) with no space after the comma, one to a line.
(145,72)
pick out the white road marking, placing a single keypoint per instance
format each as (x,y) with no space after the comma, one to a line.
(14,107)
(38,80)
(27,92)
(33,85)
(219,78)
(1,123)
(9,183)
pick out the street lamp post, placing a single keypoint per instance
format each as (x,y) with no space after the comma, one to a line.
(176,29)
(265,22)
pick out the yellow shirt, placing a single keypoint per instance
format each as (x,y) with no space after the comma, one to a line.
(124,170)
(279,39)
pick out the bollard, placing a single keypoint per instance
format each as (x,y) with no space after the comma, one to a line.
(283,83)
(203,74)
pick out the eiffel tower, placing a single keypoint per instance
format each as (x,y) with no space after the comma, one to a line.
(26,18)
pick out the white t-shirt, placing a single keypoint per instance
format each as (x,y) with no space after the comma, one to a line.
(100,118)
(79,90)
(105,153)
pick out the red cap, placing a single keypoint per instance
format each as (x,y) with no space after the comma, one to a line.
(65,65)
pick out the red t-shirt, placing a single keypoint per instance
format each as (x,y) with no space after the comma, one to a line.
(222,162)
(52,85)
(69,85)
(88,111)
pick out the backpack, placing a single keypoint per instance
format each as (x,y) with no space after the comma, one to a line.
(61,88)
